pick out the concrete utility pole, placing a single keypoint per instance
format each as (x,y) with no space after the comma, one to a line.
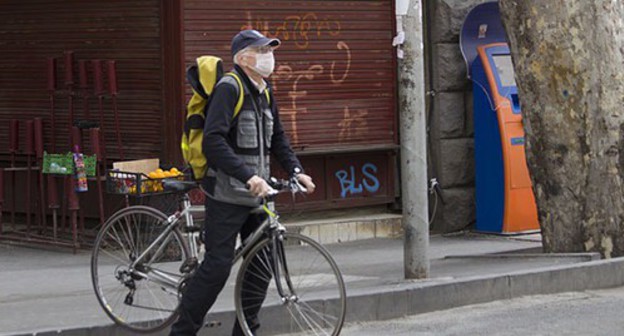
(413,137)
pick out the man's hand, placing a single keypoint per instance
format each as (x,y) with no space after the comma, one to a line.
(306,180)
(258,186)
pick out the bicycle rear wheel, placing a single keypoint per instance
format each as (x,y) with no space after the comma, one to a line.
(312,299)
(143,298)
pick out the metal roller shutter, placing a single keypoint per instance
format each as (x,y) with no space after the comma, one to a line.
(335,74)
(126,31)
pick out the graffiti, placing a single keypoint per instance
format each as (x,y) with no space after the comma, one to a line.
(353,124)
(285,72)
(300,29)
(297,28)
(341,46)
(350,185)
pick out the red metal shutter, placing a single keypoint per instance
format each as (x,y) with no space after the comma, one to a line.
(335,82)
(125,31)
(335,71)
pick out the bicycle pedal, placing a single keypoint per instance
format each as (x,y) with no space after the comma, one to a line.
(189,265)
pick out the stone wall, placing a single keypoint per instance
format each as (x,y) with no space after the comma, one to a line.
(450,115)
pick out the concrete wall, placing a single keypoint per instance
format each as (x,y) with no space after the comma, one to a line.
(450,115)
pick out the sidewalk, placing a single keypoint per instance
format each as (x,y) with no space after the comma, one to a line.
(47,292)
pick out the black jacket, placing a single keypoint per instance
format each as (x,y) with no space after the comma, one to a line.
(219,143)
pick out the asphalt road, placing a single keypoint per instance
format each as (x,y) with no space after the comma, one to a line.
(599,312)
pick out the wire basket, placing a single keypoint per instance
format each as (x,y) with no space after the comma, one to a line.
(63,164)
(135,184)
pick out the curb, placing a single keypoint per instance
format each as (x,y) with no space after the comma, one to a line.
(423,296)
(581,257)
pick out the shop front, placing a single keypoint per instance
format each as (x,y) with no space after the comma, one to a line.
(335,83)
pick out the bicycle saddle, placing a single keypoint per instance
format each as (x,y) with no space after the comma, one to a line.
(178,186)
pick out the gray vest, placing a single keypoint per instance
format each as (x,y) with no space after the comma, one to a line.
(248,134)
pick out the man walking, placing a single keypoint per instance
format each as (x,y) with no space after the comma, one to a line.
(237,149)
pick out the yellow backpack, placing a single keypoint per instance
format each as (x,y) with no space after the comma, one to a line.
(203,77)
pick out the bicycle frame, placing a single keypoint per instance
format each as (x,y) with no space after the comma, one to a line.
(270,225)
(171,223)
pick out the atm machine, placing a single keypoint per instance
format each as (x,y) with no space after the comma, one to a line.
(504,194)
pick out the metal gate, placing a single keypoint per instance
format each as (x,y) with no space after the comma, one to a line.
(335,81)
(128,32)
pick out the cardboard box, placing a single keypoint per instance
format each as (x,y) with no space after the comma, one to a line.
(137,166)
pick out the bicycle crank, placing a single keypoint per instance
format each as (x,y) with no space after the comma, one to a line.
(189,265)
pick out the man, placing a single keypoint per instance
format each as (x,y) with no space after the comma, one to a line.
(237,149)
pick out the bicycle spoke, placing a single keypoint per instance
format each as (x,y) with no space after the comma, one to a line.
(159,251)
(143,298)
(122,261)
(309,321)
(119,300)
(264,275)
(156,299)
(258,293)
(295,319)
(139,242)
(324,317)
(128,234)
(265,261)
(310,324)
(118,240)
(301,278)
(306,271)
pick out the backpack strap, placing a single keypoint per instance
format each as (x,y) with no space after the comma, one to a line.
(268,96)
(239,104)
(241,93)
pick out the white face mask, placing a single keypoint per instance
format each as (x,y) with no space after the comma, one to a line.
(265,63)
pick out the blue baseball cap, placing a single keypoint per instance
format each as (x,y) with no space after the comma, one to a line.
(251,38)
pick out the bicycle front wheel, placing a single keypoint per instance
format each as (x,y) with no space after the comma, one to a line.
(308,296)
(135,269)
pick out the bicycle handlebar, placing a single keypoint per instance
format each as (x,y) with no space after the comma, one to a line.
(279,186)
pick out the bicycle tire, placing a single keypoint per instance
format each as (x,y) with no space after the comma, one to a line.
(152,306)
(318,304)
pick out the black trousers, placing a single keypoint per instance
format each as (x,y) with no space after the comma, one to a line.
(223,223)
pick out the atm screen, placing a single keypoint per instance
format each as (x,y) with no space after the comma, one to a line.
(505,69)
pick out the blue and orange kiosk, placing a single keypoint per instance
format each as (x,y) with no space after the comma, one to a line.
(504,193)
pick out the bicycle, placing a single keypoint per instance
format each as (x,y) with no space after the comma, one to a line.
(142,260)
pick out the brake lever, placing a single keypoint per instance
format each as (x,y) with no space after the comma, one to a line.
(272,192)
(298,186)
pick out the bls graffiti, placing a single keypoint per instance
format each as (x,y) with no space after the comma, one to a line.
(297,28)
(349,183)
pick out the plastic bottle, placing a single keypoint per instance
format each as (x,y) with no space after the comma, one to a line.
(81,174)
